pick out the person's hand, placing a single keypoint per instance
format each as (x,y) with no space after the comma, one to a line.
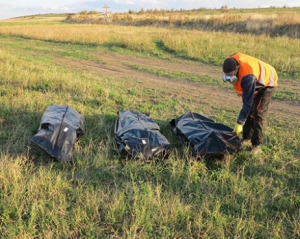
(238,128)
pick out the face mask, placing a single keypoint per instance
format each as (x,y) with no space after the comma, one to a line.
(231,79)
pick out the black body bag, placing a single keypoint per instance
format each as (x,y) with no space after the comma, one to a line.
(59,129)
(204,136)
(139,136)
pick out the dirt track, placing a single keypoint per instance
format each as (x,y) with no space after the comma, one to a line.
(117,65)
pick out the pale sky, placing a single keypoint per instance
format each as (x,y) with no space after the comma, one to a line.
(16,8)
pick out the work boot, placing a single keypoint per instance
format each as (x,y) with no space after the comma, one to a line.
(245,145)
(246,142)
(256,149)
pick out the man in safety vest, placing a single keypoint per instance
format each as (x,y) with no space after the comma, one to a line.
(253,80)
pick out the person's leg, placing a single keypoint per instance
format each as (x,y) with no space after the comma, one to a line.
(248,127)
(262,101)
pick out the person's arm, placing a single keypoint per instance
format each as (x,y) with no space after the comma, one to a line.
(248,85)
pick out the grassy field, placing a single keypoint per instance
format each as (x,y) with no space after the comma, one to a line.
(100,69)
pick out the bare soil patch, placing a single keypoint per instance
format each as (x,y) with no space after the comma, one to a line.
(208,96)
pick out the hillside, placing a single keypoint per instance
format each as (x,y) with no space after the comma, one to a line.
(273,21)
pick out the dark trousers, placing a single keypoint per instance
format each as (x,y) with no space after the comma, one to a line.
(256,122)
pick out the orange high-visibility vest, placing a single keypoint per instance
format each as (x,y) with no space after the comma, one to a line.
(265,73)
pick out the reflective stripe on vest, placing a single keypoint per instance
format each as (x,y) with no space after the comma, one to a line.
(262,72)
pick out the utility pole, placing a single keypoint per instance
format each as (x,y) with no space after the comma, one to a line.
(106,12)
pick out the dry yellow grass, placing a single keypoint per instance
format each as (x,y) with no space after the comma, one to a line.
(38,18)
(271,23)
(274,18)
(204,45)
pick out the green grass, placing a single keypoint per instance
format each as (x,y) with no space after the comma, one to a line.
(167,73)
(210,47)
(282,94)
(104,196)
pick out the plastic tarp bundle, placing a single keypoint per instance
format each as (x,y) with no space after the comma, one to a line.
(59,129)
(139,136)
(205,136)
